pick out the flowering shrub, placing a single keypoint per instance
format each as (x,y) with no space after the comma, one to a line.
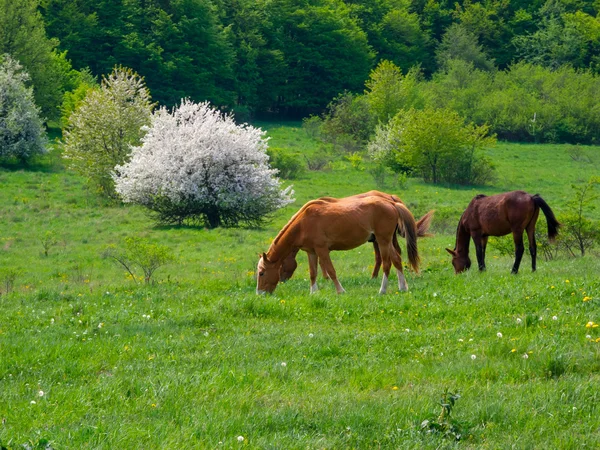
(196,165)
(102,129)
(21,131)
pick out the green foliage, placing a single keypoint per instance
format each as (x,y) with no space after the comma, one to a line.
(134,253)
(107,122)
(579,234)
(443,424)
(437,145)
(21,132)
(23,36)
(458,43)
(388,91)
(48,240)
(290,166)
(83,81)
(348,122)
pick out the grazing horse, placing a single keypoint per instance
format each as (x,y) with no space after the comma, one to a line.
(321,226)
(497,215)
(289,265)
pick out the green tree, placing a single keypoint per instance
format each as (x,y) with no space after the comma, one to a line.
(179,47)
(101,131)
(389,91)
(435,144)
(458,43)
(579,233)
(21,132)
(23,35)
(324,50)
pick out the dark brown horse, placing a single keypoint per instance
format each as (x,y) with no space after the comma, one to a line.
(289,265)
(513,212)
(321,226)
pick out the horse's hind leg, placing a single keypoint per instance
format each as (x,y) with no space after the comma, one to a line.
(388,255)
(397,261)
(312,266)
(377,260)
(519,249)
(532,244)
(326,264)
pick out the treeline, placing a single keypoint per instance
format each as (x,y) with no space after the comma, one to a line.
(284,57)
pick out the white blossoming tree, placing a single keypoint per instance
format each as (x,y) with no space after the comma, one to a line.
(22,134)
(101,131)
(196,165)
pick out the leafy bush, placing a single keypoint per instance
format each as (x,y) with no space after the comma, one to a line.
(579,233)
(101,131)
(388,91)
(137,254)
(437,145)
(289,165)
(196,165)
(348,122)
(21,132)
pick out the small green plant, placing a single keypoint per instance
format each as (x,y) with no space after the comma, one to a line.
(580,233)
(442,424)
(290,166)
(48,240)
(356,160)
(136,253)
(312,126)
(8,278)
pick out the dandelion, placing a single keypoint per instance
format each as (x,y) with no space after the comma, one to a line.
(32,402)
(473,357)
(394,388)
(519,320)
(567,281)
(525,356)
(587,336)
(435,294)
(499,334)
(513,350)
(283,364)
(590,325)
(407,330)
(40,393)
(551,287)
(240,438)
(460,340)
(310,335)
(586,298)
(554,318)
(101,324)
(206,334)
(282,301)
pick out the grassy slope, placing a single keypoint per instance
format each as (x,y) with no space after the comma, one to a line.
(196,360)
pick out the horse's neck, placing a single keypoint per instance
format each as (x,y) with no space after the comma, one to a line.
(462,239)
(283,244)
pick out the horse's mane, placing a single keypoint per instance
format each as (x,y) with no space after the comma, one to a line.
(294,217)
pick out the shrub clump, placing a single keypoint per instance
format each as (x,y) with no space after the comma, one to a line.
(197,165)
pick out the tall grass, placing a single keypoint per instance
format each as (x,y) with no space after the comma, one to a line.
(89,359)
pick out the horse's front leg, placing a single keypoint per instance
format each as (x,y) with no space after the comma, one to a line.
(326,264)
(519,250)
(312,267)
(479,250)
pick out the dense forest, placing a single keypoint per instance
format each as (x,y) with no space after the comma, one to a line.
(287,58)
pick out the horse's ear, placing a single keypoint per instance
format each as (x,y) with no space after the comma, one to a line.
(264,257)
(452,252)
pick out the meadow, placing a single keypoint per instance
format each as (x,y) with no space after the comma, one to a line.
(91,358)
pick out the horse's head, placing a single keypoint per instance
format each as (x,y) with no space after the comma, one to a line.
(267,275)
(288,267)
(461,262)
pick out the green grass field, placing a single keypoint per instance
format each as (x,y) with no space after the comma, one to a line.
(90,359)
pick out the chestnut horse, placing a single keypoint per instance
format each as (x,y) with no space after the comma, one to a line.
(512,212)
(321,226)
(289,265)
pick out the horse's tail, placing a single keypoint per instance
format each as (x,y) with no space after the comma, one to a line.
(407,223)
(553,224)
(423,225)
